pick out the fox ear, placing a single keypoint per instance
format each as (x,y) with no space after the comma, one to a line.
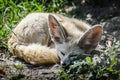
(56,31)
(91,38)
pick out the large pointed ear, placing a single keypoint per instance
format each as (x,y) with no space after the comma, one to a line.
(57,32)
(90,39)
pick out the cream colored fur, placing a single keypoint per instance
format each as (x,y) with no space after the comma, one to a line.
(31,40)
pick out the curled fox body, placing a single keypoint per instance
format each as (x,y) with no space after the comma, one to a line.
(47,38)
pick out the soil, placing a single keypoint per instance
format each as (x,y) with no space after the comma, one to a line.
(108,16)
(8,70)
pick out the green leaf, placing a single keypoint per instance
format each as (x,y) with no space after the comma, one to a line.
(18,65)
(110,69)
(88,60)
(64,75)
(113,61)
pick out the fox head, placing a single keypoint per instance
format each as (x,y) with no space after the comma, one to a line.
(68,49)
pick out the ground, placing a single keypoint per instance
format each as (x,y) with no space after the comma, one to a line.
(108,16)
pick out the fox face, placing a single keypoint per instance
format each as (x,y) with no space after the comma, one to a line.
(68,49)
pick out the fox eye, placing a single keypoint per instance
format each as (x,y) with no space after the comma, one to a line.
(57,39)
(72,55)
(62,53)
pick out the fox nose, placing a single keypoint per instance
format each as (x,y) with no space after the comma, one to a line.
(65,61)
(63,64)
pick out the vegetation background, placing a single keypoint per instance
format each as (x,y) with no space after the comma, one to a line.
(91,11)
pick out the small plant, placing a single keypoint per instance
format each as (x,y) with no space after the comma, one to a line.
(18,77)
(18,65)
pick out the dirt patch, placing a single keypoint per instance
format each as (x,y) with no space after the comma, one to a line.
(8,71)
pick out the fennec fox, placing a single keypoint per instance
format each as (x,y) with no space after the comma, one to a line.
(47,38)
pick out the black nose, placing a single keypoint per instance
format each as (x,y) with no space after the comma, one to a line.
(65,65)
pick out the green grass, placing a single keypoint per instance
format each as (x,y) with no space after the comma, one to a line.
(12,11)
